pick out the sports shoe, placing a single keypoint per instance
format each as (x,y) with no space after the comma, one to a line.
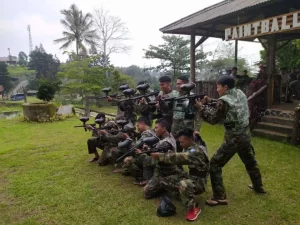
(193,213)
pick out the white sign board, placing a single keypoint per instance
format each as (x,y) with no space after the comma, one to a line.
(272,25)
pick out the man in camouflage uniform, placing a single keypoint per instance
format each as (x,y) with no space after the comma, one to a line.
(193,183)
(167,141)
(164,109)
(179,120)
(142,108)
(134,165)
(233,108)
(104,140)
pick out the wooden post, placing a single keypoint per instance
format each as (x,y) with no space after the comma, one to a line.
(236,53)
(192,57)
(271,51)
(87,106)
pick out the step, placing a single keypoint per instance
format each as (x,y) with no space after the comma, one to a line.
(278,120)
(286,129)
(271,135)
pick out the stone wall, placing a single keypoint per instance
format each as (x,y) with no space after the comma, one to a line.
(39,112)
(296,131)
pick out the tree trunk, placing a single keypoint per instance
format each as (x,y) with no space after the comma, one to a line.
(77,47)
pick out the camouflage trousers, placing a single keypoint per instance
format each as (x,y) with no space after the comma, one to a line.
(184,187)
(180,124)
(102,143)
(136,167)
(240,144)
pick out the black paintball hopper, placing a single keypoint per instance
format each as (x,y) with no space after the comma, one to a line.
(125,144)
(151,141)
(122,122)
(84,119)
(129,92)
(187,87)
(143,87)
(124,87)
(106,90)
(99,120)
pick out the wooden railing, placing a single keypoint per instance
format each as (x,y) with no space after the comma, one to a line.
(208,87)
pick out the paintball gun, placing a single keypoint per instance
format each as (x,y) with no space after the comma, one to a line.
(162,148)
(188,100)
(84,120)
(150,141)
(187,88)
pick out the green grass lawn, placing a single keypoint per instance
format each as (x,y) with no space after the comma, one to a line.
(45,178)
(18,70)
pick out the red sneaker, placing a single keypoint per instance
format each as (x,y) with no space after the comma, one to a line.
(193,213)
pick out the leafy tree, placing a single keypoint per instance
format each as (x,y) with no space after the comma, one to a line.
(174,55)
(139,74)
(219,66)
(23,59)
(79,77)
(118,79)
(5,80)
(78,28)
(45,65)
(288,56)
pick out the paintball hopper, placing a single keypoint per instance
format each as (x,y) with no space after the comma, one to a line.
(187,87)
(129,92)
(151,141)
(124,87)
(152,103)
(143,87)
(99,120)
(84,119)
(165,208)
(129,126)
(125,144)
(122,123)
(106,90)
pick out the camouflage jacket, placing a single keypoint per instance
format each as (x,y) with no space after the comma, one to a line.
(237,115)
(166,107)
(163,168)
(195,157)
(232,107)
(179,121)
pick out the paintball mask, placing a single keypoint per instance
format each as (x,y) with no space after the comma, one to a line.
(165,208)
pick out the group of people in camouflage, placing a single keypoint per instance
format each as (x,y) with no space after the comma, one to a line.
(180,144)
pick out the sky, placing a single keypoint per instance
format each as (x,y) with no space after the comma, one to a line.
(143,20)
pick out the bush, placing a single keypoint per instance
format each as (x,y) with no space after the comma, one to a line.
(47,90)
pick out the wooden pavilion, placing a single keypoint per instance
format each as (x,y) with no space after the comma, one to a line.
(274,23)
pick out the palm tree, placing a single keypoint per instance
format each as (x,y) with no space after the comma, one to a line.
(78,28)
